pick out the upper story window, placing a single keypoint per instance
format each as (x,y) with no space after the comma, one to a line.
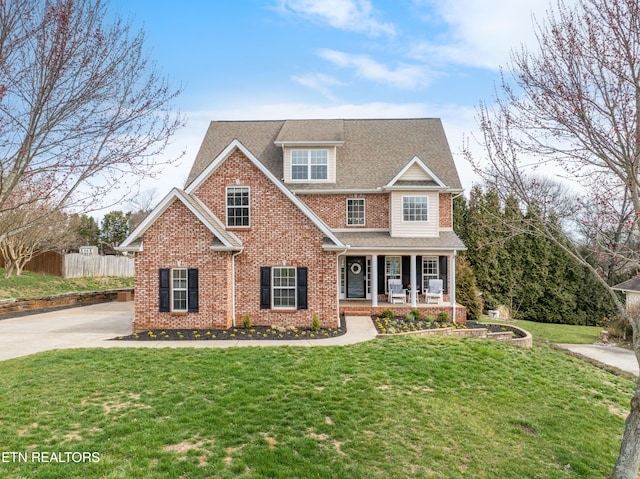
(355,212)
(309,164)
(415,208)
(238,206)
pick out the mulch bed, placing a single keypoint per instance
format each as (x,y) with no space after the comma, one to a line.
(255,333)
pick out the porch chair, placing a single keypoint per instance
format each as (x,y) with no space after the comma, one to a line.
(433,294)
(396,294)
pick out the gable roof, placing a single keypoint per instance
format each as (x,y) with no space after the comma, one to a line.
(372,154)
(224,240)
(224,154)
(398,182)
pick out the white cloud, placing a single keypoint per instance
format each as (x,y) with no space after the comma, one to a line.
(404,76)
(319,82)
(481,32)
(350,15)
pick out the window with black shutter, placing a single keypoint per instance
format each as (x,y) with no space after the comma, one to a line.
(283,287)
(178,290)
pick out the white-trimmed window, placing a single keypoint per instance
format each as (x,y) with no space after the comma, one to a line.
(355,212)
(238,206)
(430,270)
(179,289)
(309,164)
(393,269)
(415,208)
(283,285)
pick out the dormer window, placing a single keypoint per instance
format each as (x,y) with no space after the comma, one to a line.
(309,165)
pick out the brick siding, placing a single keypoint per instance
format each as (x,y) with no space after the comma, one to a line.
(279,235)
(446,210)
(332,209)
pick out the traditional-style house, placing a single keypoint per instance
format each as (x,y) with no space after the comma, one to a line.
(286,220)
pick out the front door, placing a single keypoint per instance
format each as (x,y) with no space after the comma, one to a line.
(356,277)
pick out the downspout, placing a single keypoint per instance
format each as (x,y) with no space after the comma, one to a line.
(233,286)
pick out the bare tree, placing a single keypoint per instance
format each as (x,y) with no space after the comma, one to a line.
(27,242)
(573,103)
(83,111)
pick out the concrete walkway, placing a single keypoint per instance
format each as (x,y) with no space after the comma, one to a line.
(93,326)
(620,358)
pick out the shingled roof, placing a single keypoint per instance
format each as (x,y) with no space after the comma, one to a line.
(370,153)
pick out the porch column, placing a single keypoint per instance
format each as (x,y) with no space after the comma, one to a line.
(414,283)
(374,280)
(452,287)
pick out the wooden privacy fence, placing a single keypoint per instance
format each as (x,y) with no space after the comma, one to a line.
(75,265)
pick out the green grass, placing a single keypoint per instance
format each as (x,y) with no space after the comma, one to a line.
(557,333)
(393,408)
(34,285)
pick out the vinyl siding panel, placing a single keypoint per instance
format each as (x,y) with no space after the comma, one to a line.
(413,229)
(331,167)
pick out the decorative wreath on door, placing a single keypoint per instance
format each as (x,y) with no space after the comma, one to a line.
(356,268)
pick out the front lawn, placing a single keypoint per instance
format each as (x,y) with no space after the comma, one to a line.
(30,285)
(557,333)
(398,407)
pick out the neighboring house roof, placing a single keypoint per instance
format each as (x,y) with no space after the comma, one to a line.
(631,285)
(447,240)
(223,240)
(370,153)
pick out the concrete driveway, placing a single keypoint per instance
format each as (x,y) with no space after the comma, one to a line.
(91,327)
(84,326)
(620,358)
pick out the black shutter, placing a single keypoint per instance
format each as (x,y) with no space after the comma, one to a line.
(406,270)
(382,274)
(192,291)
(265,287)
(164,290)
(444,273)
(302,288)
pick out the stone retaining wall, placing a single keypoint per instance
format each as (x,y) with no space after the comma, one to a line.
(482,333)
(65,300)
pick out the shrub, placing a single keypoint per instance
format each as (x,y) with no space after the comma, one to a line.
(315,323)
(246,321)
(417,313)
(387,313)
(443,317)
(410,317)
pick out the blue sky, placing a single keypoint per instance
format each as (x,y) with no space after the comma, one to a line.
(278,59)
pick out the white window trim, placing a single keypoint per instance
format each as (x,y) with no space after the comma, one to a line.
(294,287)
(308,179)
(387,276)
(425,276)
(185,289)
(364,211)
(248,188)
(426,209)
